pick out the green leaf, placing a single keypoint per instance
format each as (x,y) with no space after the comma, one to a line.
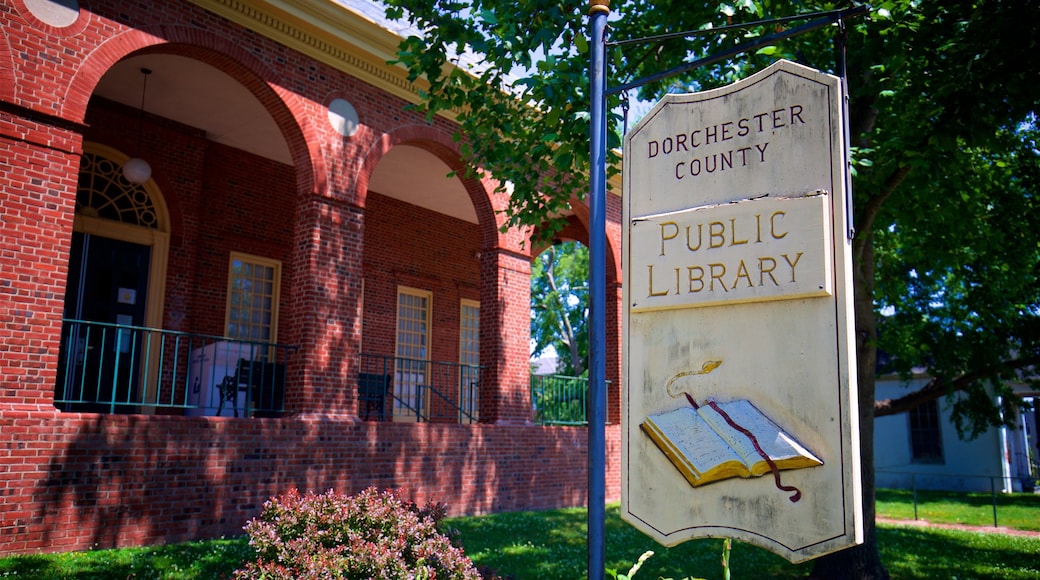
(581,43)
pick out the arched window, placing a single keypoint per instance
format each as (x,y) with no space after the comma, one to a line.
(104,193)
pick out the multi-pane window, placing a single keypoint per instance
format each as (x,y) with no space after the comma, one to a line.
(469,359)
(413,348)
(925,435)
(252,308)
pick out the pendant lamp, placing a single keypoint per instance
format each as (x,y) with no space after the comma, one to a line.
(137,170)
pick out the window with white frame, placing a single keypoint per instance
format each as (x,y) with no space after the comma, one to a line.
(252,302)
(412,351)
(469,360)
(925,434)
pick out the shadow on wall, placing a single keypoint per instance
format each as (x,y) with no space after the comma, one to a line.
(121,475)
(146,479)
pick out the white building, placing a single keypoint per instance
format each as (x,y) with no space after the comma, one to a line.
(921,448)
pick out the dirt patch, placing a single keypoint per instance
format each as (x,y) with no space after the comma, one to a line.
(980,529)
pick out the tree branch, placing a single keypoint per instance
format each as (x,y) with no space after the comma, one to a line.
(937,388)
(873,207)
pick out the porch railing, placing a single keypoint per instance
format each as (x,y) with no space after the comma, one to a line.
(560,400)
(112,368)
(412,390)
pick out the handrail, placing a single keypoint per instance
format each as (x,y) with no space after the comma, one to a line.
(407,389)
(118,368)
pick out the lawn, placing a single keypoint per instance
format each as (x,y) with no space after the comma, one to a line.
(1020,511)
(551,544)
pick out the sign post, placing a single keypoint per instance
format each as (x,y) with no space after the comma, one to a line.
(740,411)
(598,11)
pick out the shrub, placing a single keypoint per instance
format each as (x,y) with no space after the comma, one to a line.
(370,535)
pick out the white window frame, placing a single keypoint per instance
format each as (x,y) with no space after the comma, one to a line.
(469,357)
(411,369)
(276,274)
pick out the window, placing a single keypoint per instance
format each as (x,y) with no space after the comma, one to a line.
(412,351)
(252,307)
(925,436)
(469,359)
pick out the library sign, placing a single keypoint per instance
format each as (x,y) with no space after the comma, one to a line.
(740,412)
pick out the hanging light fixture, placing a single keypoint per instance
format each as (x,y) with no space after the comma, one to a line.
(137,170)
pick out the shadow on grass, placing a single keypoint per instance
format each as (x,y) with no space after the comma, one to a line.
(929,553)
(552,544)
(215,559)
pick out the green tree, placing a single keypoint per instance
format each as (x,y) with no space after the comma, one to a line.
(943,121)
(560,306)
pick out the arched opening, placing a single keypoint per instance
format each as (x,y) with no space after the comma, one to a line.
(176,285)
(420,356)
(552,381)
(117,276)
(560,333)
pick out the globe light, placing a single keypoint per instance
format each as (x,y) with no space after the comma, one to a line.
(137,170)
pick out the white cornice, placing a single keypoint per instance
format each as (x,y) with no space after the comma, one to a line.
(327,32)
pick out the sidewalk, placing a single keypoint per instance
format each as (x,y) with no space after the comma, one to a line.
(980,529)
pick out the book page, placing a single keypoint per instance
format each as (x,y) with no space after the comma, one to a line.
(779,446)
(684,433)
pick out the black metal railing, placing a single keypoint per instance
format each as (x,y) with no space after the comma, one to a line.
(112,368)
(559,399)
(928,491)
(405,389)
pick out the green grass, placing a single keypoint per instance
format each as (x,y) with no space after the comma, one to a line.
(203,560)
(913,552)
(1020,511)
(551,544)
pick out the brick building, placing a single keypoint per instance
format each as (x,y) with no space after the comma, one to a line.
(294,294)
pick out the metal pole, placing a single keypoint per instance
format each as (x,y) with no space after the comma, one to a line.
(598,11)
(993,497)
(913,484)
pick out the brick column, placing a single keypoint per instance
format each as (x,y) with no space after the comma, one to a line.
(505,336)
(325,319)
(37,202)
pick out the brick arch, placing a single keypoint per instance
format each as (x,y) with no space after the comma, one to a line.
(7,81)
(286,108)
(577,229)
(574,231)
(444,148)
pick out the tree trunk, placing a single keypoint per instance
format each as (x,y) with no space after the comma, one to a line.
(862,562)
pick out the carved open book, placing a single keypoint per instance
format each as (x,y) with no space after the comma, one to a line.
(717,441)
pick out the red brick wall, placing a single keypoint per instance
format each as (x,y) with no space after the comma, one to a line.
(74,481)
(406,245)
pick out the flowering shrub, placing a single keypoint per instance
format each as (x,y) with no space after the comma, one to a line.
(370,535)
